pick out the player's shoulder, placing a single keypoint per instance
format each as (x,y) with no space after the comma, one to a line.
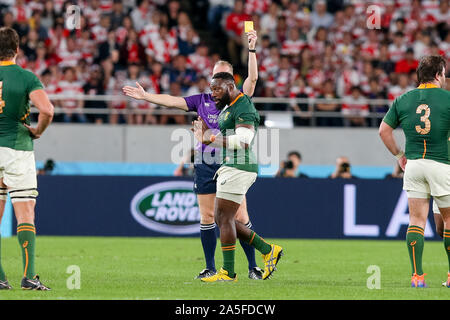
(27,74)
(246,101)
(405,98)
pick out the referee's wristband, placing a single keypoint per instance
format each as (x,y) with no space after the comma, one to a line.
(399,155)
(252,50)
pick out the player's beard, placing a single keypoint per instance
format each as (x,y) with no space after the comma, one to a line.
(221,103)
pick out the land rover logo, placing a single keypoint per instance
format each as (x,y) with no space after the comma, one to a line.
(167,207)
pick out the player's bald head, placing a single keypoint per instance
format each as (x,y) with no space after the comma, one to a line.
(223,78)
(222,66)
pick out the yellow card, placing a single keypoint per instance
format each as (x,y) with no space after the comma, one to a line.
(248,26)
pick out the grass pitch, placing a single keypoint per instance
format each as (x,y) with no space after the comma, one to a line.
(164,268)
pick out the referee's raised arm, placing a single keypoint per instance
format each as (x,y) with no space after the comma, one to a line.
(250,82)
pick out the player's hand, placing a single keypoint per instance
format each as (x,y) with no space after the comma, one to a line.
(402,162)
(34,133)
(252,38)
(136,93)
(178,172)
(197,128)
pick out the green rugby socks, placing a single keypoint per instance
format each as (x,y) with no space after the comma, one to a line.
(258,243)
(447,245)
(228,250)
(26,234)
(415,244)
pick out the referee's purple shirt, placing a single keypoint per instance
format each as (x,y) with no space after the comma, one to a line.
(205,107)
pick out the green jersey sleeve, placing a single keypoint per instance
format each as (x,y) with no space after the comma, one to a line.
(246,115)
(391,117)
(33,83)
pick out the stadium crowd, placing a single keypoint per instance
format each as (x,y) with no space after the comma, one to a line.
(306,48)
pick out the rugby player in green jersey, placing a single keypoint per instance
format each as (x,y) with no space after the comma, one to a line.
(17,164)
(424,115)
(238,122)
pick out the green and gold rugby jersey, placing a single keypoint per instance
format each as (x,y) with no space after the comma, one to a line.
(240,111)
(16,84)
(424,115)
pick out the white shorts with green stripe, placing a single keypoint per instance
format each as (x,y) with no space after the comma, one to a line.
(18,175)
(233,184)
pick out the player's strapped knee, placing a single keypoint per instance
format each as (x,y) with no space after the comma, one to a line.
(21,195)
(442,201)
(417,195)
(3,193)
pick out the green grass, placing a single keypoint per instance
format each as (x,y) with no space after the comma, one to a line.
(164,268)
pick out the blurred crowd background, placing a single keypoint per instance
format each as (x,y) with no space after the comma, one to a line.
(305,49)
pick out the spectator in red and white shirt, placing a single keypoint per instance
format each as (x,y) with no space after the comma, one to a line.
(47,80)
(71,87)
(398,48)
(100,31)
(269,66)
(316,76)
(123,31)
(293,45)
(21,11)
(317,45)
(87,46)
(151,29)
(133,76)
(355,108)
(200,60)
(294,15)
(441,14)
(93,12)
(40,64)
(445,46)
(269,21)
(71,55)
(141,15)
(370,47)
(401,88)
(257,6)
(164,47)
(281,82)
(365,76)
(183,27)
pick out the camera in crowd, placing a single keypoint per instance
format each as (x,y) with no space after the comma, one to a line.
(288,164)
(290,167)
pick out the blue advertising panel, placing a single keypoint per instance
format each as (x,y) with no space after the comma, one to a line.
(166,206)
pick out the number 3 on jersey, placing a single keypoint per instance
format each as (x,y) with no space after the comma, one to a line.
(424,119)
(2,103)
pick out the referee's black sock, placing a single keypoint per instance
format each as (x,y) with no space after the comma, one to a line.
(249,250)
(209,242)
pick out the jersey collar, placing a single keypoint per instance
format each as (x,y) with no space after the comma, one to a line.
(6,63)
(236,99)
(427,86)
